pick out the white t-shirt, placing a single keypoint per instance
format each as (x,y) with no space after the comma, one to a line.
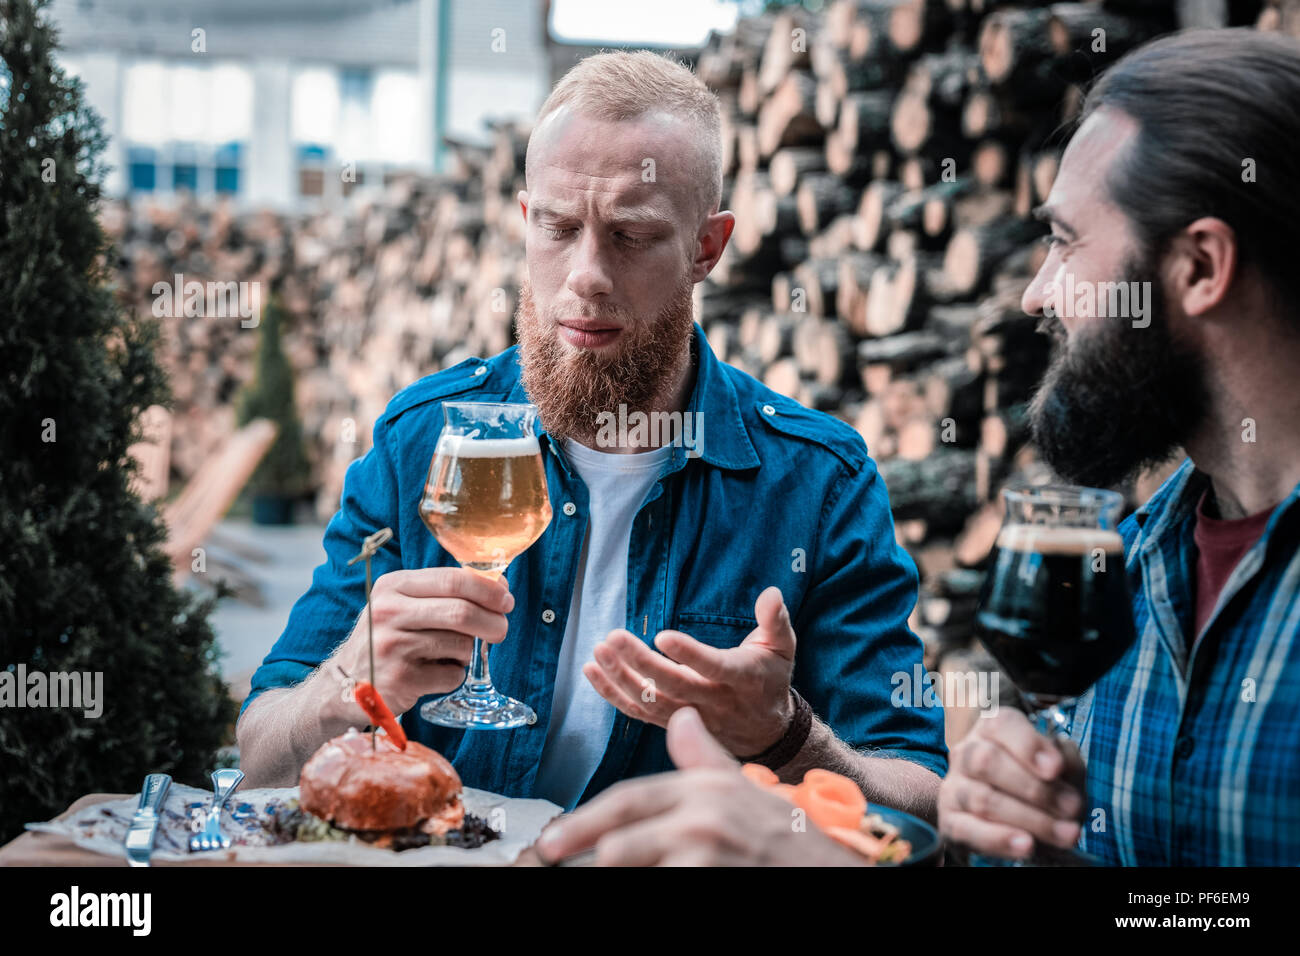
(581,720)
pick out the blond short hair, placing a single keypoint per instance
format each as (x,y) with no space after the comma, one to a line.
(627,84)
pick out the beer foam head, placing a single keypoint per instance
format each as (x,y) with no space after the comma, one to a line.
(1054,539)
(463,446)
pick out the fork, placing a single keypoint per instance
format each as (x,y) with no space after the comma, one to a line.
(224,783)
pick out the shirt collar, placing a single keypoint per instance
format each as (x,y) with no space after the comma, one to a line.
(1179,497)
(1176,497)
(719,432)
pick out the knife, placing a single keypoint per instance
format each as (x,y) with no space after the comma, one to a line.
(144,825)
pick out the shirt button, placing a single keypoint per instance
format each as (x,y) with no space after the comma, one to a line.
(570,507)
(481,370)
(548,615)
(769,410)
(1184,747)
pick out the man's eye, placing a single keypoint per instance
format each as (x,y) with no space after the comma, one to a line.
(633,242)
(1052,241)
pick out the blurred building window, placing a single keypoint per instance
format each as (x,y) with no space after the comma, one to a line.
(185,167)
(227,169)
(184,125)
(311,170)
(143,168)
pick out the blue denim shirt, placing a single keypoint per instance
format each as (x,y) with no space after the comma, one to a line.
(774,493)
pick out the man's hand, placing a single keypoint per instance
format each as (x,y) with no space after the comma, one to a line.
(742,693)
(425,624)
(708,814)
(1009,785)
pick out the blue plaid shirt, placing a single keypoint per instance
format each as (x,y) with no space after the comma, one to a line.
(1193,746)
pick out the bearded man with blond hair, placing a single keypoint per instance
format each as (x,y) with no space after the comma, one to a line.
(743,565)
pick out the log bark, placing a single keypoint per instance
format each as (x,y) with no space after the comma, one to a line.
(870,223)
(788,117)
(788,166)
(1016,53)
(939,489)
(820,198)
(856,271)
(818,280)
(974,252)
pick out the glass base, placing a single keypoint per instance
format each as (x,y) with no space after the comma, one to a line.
(486,709)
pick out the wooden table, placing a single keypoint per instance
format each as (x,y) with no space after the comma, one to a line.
(53,849)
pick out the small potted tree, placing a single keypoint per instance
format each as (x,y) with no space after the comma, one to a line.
(85,584)
(284,475)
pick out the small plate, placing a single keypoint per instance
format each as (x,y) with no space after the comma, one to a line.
(926,845)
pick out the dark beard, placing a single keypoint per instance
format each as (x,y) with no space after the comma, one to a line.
(1118,399)
(570,388)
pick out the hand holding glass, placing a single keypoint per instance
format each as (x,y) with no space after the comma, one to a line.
(485,501)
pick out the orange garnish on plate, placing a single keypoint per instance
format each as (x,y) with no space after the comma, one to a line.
(831,800)
(836,805)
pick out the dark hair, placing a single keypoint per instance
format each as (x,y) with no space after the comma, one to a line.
(1205,101)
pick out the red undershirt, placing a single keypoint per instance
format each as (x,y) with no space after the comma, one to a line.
(1221,545)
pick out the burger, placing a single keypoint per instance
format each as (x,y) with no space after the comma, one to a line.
(392,798)
(377,788)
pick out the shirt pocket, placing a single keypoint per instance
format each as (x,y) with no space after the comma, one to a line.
(716,630)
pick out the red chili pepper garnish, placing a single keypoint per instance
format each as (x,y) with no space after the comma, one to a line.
(379,713)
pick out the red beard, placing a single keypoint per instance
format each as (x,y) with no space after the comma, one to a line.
(571,387)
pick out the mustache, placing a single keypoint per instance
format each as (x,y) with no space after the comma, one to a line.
(1051,327)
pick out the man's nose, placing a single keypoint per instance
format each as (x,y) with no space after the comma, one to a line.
(589,272)
(1034,296)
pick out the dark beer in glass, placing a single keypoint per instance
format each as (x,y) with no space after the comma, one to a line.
(1056,612)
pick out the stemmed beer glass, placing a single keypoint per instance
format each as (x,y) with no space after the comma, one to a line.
(1055,612)
(485,501)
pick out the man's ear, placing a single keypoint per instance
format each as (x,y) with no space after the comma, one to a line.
(713,239)
(1205,264)
(523,203)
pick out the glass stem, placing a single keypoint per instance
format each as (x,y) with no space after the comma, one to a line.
(478,680)
(1051,721)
